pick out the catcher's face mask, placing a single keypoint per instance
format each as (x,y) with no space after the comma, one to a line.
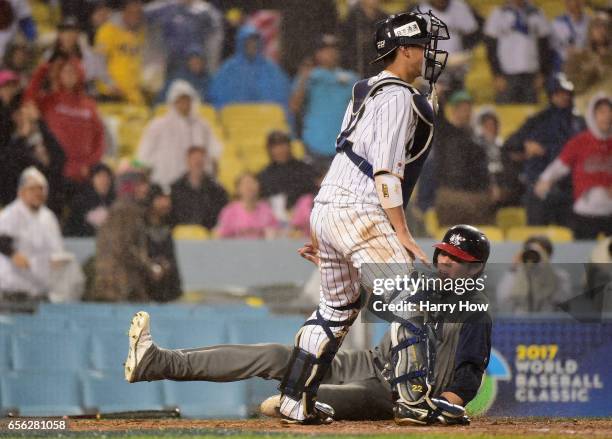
(434,60)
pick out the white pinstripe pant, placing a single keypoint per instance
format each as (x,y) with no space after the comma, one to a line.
(347,237)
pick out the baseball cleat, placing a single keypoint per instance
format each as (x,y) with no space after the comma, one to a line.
(140,341)
(271,406)
(323,415)
(405,415)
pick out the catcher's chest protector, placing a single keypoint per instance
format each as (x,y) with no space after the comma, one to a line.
(418,147)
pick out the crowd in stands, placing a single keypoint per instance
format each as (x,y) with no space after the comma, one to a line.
(173,56)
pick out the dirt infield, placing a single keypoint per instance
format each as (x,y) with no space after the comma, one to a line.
(481,427)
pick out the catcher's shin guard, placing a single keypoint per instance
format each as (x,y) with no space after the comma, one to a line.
(412,356)
(305,370)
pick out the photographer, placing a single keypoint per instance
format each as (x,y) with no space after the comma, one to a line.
(533,284)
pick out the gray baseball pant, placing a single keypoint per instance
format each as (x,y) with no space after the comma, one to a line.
(353,386)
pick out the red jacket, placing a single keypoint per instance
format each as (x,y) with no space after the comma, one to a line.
(72,117)
(590,160)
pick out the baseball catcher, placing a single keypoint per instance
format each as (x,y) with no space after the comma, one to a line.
(361,384)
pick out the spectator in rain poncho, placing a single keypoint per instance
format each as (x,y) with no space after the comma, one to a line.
(248,76)
(33,263)
(167,138)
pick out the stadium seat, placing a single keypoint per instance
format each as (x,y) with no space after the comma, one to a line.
(26,323)
(191,333)
(508,217)
(125,312)
(50,351)
(67,310)
(207,400)
(230,168)
(431,222)
(109,350)
(512,116)
(554,233)
(298,149)
(131,127)
(89,323)
(190,231)
(41,393)
(271,330)
(252,121)
(112,394)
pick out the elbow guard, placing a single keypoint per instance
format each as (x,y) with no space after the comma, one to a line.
(389,190)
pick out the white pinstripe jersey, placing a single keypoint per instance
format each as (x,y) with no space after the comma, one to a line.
(382,136)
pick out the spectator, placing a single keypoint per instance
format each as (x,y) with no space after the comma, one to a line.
(166,285)
(533,284)
(32,144)
(185,23)
(322,93)
(72,117)
(91,204)
(537,143)
(460,19)
(121,40)
(518,51)
(167,138)
(486,126)
(356,37)
(569,32)
(9,102)
(196,197)
(70,45)
(285,176)
(302,25)
(464,27)
(588,157)
(89,14)
(463,181)
(15,15)
(248,216)
(589,66)
(193,70)
(248,76)
(31,246)
(19,58)
(122,264)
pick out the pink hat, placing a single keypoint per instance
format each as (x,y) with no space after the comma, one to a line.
(8,76)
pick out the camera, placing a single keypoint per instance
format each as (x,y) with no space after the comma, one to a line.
(532,254)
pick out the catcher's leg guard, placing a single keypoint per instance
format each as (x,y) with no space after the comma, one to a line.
(306,370)
(412,356)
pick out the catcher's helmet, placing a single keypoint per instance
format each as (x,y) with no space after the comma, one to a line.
(414,29)
(464,242)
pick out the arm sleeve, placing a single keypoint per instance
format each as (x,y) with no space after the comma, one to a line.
(569,153)
(394,124)
(555,171)
(491,45)
(472,356)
